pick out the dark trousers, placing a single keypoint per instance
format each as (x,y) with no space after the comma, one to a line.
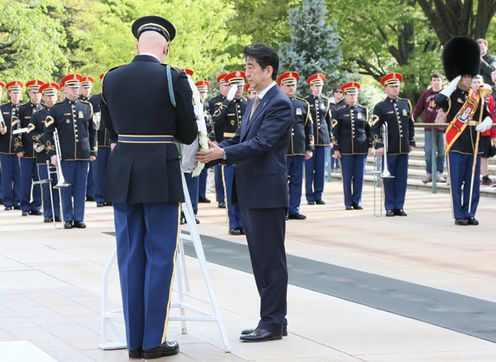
(47,203)
(265,233)
(233,210)
(202,187)
(460,173)
(99,167)
(295,166)
(193,184)
(74,196)
(219,184)
(29,173)
(90,187)
(395,188)
(314,174)
(353,170)
(146,252)
(10,180)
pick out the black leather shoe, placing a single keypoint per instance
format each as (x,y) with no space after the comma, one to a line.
(58,219)
(47,219)
(90,198)
(79,225)
(472,220)
(242,231)
(320,202)
(197,221)
(108,204)
(17,207)
(399,212)
(461,222)
(251,330)
(135,354)
(348,208)
(100,204)
(35,212)
(204,201)
(165,349)
(221,205)
(7,208)
(311,202)
(389,213)
(68,225)
(297,217)
(25,213)
(357,207)
(260,335)
(234,232)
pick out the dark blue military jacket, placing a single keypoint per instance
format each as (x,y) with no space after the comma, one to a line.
(302,131)
(103,133)
(25,113)
(350,130)
(227,117)
(36,133)
(213,104)
(320,109)
(398,115)
(8,142)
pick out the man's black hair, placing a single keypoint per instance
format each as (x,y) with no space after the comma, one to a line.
(264,56)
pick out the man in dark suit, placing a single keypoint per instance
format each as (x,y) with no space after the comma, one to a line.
(258,151)
(143,180)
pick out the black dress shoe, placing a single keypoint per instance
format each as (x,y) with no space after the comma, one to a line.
(472,220)
(197,221)
(348,208)
(68,225)
(389,213)
(297,217)
(108,203)
(58,219)
(221,205)
(320,202)
(461,222)
(35,212)
(234,232)
(47,219)
(25,213)
(79,225)
(242,231)
(311,202)
(165,349)
(251,330)
(7,208)
(135,354)
(17,207)
(204,201)
(260,335)
(100,204)
(90,198)
(399,212)
(357,207)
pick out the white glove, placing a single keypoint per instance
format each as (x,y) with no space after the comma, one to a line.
(486,124)
(232,92)
(202,126)
(198,110)
(450,88)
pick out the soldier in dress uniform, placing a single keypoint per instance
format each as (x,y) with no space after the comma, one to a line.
(352,142)
(212,105)
(396,114)
(2,86)
(8,143)
(36,129)
(73,119)
(227,118)
(202,87)
(143,180)
(320,110)
(27,154)
(85,95)
(468,117)
(300,144)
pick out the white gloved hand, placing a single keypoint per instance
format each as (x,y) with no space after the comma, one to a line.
(486,124)
(232,92)
(198,110)
(450,88)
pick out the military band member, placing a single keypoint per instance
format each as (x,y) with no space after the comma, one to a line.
(26,153)
(352,142)
(227,118)
(85,95)
(396,114)
(321,115)
(468,117)
(143,180)
(36,129)
(300,144)
(2,86)
(202,87)
(73,119)
(8,143)
(212,105)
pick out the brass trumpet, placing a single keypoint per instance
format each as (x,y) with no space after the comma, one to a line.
(381,171)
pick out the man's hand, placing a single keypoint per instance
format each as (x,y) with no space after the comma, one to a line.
(112,146)
(3,130)
(370,152)
(54,160)
(337,154)
(232,92)
(214,152)
(412,148)
(92,158)
(20,154)
(308,154)
(379,151)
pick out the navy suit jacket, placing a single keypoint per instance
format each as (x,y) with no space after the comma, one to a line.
(258,152)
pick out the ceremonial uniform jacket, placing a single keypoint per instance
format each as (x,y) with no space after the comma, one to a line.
(401,133)
(26,111)
(227,117)
(350,130)
(142,172)
(320,110)
(8,142)
(213,104)
(36,133)
(465,143)
(103,133)
(76,129)
(302,131)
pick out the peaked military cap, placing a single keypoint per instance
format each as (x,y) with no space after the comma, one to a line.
(154,23)
(50,88)
(14,86)
(87,81)
(202,85)
(350,87)
(237,77)
(221,78)
(392,79)
(288,78)
(316,79)
(34,84)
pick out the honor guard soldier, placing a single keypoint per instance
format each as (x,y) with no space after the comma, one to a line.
(321,115)
(73,119)
(468,117)
(36,129)
(300,144)
(26,153)
(227,118)
(212,105)
(202,87)
(8,143)
(100,164)
(143,180)
(85,95)
(396,115)
(351,140)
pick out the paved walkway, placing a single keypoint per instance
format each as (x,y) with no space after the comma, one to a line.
(50,286)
